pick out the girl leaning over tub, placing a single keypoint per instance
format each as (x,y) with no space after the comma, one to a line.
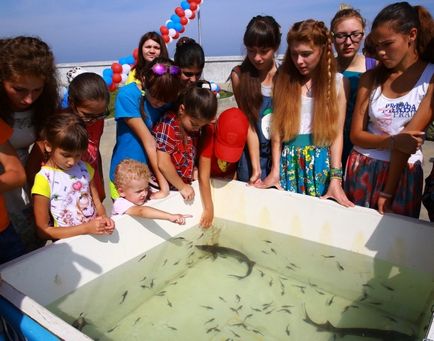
(252,83)
(309,102)
(394,106)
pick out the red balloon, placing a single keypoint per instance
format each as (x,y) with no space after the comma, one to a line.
(116,78)
(179,11)
(164,30)
(193,6)
(166,38)
(190,1)
(136,53)
(176,36)
(183,21)
(198,1)
(182,30)
(193,15)
(117,68)
(112,87)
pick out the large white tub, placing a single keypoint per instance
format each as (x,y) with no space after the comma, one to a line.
(364,259)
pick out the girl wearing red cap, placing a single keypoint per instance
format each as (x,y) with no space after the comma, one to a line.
(222,147)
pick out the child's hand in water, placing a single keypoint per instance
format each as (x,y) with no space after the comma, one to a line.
(179,218)
(187,192)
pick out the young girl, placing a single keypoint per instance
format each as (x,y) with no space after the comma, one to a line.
(222,146)
(12,176)
(28,95)
(309,111)
(252,82)
(393,107)
(151,46)
(89,98)
(132,182)
(136,114)
(177,136)
(348,29)
(64,189)
(189,56)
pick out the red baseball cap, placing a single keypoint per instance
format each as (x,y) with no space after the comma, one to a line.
(231,135)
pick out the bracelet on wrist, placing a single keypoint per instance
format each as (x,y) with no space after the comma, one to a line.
(385,195)
(336,173)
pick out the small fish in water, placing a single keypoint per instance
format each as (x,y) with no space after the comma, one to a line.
(326,256)
(171,327)
(235,334)
(152,283)
(238,298)
(176,263)
(301,287)
(207,307)
(290,268)
(261,272)
(144,286)
(282,293)
(340,267)
(255,309)
(222,299)
(143,257)
(247,317)
(137,320)
(287,306)
(266,305)
(285,310)
(390,318)
(143,279)
(287,331)
(265,252)
(376,303)
(267,241)
(174,283)
(213,329)
(241,324)
(201,236)
(294,265)
(112,329)
(80,322)
(364,296)
(269,312)
(319,292)
(257,332)
(169,303)
(124,295)
(387,287)
(161,293)
(270,283)
(209,321)
(274,251)
(330,301)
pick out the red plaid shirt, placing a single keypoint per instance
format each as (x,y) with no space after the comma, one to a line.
(170,139)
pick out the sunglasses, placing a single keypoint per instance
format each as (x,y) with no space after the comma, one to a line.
(355,37)
(161,69)
(191,74)
(90,118)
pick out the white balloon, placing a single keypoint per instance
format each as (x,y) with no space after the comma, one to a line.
(124,78)
(172,32)
(188,13)
(214,87)
(170,40)
(126,68)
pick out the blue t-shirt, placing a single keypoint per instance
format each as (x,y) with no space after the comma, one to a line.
(128,145)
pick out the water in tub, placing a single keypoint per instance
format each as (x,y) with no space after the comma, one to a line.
(255,285)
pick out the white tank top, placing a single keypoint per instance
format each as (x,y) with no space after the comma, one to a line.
(390,115)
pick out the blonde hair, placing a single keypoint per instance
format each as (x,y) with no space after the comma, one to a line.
(128,170)
(287,87)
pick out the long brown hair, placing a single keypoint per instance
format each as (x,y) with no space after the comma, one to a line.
(29,56)
(287,87)
(262,32)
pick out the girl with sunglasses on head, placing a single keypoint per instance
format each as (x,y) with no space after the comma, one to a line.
(28,97)
(394,106)
(189,56)
(252,82)
(309,102)
(177,136)
(136,113)
(348,30)
(151,46)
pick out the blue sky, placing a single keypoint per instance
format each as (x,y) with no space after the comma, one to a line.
(83,30)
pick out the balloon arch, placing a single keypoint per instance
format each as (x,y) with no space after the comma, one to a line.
(171,30)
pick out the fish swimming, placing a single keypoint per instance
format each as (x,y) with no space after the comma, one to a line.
(80,322)
(382,334)
(226,251)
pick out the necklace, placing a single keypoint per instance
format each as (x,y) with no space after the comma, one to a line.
(308,90)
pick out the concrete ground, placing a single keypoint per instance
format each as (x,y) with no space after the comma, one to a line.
(109,138)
